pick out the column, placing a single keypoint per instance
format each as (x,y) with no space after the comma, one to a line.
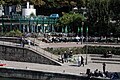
(32,28)
(20,25)
(37,28)
(23,28)
(28,29)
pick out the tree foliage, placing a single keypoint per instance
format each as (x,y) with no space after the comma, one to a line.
(99,13)
(14,33)
(69,18)
(2,2)
(73,20)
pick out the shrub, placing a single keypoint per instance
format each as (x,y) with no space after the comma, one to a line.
(14,33)
(58,51)
(102,50)
(90,50)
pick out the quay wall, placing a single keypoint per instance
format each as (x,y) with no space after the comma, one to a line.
(40,75)
(15,53)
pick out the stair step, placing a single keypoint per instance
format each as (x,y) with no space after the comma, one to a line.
(106,59)
(107,62)
(100,56)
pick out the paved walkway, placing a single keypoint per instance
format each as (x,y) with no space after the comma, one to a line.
(69,44)
(73,66)
(67,67)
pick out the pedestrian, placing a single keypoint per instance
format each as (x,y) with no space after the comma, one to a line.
(29,43)
(104,67)
(79,61)
(70,54)
(82,61)
(23,42)
(65,56)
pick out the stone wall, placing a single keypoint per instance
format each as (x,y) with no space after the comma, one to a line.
(14,53)
(40,75)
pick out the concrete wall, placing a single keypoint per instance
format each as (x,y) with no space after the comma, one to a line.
(40,75)
(14,53)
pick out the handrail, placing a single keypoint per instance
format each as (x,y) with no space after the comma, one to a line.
(42,52)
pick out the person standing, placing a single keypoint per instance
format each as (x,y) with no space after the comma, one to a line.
(65,56)
(79,61)
(82,61)
(23,42)
(104,67)
(62,58)
(70,54)
(29,43)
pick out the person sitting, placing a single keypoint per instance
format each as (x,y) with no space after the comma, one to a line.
(96,73)
(100,74)
(107,55)
(115,76)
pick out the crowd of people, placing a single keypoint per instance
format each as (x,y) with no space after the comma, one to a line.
(104,73)
(64,57)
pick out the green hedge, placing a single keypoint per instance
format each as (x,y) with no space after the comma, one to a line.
(13,33)
(57,51)
(89,49)
(102,50)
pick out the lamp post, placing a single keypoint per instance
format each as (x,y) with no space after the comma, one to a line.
(82,33)
(83,10)
(86,62)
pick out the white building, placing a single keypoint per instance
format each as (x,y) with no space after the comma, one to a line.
(29,10)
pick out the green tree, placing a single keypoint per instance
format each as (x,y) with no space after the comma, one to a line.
(2,2)
(37,2)
(99,16)
(73,20)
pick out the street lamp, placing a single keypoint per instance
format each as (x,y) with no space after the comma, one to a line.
(83,10)
(86,62)
(82,33)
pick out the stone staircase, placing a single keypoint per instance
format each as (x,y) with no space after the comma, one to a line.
(38,49)
(96,58)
